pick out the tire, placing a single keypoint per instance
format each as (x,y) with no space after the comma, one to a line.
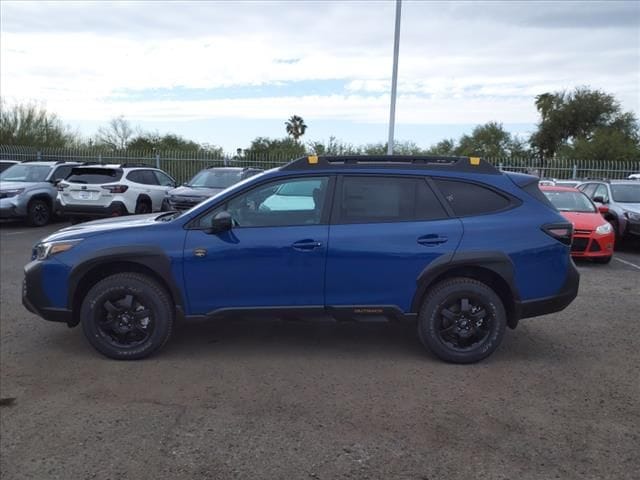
(451,336)
(603,260)
(111,316)
(143,206)
(38,213)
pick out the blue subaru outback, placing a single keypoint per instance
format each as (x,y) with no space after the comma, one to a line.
(455,245)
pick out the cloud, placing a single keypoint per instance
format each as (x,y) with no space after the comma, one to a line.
(459,62)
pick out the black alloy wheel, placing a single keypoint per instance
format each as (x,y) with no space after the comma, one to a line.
(462,320)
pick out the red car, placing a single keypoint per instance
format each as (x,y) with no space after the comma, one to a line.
(593,236)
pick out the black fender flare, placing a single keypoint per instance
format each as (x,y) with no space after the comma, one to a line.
(150,258)
(497,262)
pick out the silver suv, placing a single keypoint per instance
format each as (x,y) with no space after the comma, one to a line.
(621,199)
(28,190)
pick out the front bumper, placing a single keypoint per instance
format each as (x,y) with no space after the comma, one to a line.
(592,245)
(555,303)
(12,208)
(633,228)
(34,298)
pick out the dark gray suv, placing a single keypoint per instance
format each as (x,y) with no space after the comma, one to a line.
(622,201)
(205,184)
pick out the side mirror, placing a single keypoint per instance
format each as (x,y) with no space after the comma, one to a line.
(603,209)
(598,199)
(222,222)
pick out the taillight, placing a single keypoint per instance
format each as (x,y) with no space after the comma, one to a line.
(115,188)
(563,232)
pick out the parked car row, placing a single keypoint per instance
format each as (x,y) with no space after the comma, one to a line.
(36,190)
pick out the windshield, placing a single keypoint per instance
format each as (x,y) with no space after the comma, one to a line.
(626,193)
(25,173)
(570,201)
(215,179)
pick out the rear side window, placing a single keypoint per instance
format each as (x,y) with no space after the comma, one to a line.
(94,175)
(470,199)
(377,199)
(145,177)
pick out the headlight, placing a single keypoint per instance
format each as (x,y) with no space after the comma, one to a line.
(11,193)
(604,229)
(47,249)
(632,216)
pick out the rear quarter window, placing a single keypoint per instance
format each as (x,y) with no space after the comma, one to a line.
(94,175)
(467,199)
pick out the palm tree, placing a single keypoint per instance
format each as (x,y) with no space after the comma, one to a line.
(295,127)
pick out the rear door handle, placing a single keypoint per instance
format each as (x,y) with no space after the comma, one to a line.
(432,239)
(307,244)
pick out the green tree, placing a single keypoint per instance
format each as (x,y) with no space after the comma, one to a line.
(31,124)
(295,127)
(490,140)
(334,147)
(585,124)
(444,147)
(263,149)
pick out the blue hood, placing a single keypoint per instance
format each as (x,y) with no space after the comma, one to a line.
(84,230)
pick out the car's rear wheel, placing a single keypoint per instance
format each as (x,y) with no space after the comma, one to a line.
(127,316)
(143,206)
(38,213)
(462,320)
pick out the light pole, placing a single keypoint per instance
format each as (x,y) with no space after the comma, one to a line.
(394,78)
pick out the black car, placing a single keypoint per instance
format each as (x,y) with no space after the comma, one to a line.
(205,184)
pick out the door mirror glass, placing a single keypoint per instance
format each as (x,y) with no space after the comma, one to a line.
(221,222)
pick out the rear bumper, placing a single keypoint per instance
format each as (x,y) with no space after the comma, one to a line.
(555,303)
(113,210)
(34,298)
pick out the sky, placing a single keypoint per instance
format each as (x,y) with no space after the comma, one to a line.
(223,72)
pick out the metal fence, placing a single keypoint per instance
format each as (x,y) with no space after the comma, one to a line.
(183,165)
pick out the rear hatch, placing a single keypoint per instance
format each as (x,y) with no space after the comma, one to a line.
(91,186)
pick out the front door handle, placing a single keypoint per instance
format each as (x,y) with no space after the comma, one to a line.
(307,244)
(432,239)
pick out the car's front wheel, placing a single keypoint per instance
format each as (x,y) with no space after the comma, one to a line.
(127,316)
(462,320)
(38,213)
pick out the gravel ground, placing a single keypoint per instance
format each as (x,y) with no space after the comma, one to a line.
(255,399)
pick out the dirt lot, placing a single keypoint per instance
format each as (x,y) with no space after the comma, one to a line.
(251,399)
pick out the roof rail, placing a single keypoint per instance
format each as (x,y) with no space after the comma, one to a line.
(133,164)
(458,164)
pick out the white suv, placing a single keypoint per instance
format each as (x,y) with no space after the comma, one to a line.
(112,190)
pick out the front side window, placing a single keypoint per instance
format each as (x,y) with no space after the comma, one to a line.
(601,191)
(370,199)
(163,179)
(277,204)
(470,199)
